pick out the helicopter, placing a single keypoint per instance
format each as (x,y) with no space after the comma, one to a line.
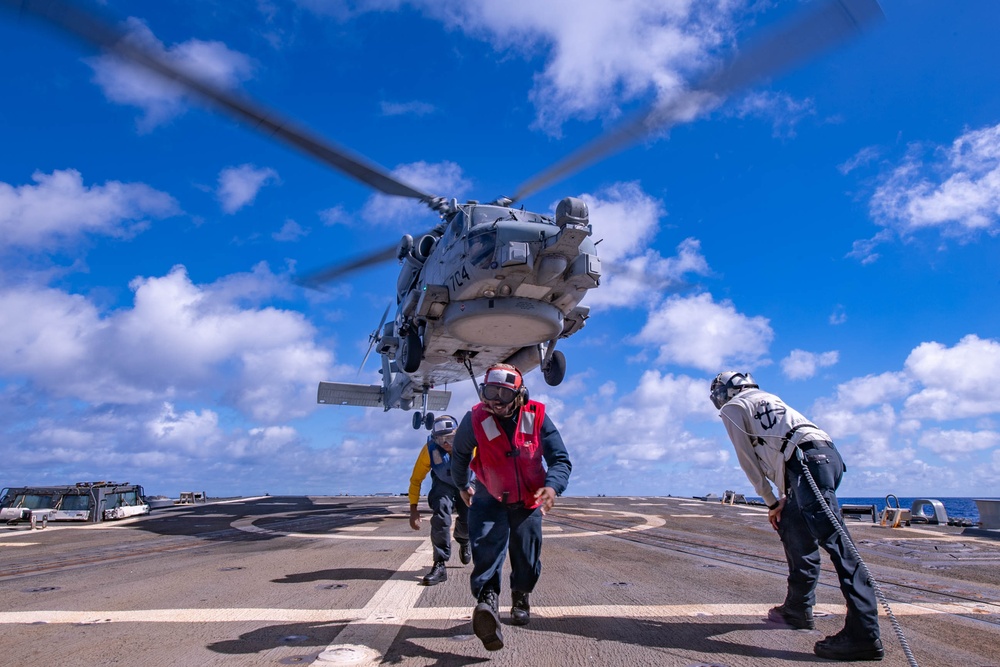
(489,282)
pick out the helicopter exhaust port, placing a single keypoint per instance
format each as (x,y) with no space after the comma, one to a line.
(510,322)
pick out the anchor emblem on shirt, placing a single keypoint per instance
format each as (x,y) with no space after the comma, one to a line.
(767,415)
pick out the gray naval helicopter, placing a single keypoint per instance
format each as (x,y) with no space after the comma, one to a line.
(490,282)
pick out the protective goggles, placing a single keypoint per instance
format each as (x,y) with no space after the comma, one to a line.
(494,392)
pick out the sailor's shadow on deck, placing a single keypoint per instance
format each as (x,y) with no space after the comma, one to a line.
(310,637)
(699,637)
(694,635)
(338,574)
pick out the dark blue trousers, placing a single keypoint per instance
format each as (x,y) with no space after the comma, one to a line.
(444,499)
(805,527)
(495,529)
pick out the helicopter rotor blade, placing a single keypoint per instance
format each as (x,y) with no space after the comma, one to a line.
(98,32)
(318,278)
(374,338)
(796,40)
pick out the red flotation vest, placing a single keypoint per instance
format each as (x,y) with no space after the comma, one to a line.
(511,472)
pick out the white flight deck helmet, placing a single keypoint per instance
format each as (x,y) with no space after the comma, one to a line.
(728,384)
(444,426)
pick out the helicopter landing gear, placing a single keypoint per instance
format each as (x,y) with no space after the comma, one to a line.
(412,351)
(423,418)
(554,369)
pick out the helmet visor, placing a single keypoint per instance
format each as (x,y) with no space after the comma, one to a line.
(493,392)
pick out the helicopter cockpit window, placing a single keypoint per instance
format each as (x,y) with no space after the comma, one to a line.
(455,229)
(481,247)
(484,215)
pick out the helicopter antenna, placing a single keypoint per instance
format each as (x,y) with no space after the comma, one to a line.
(98,32)
(796,40)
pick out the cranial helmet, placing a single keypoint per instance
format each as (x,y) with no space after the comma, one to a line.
(443,426)
(728,384)
(503,383)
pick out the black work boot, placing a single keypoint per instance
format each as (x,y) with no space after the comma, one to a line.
(437,574)
(842,646)
(520,612)
(486,621)
(800,620)
(465,553)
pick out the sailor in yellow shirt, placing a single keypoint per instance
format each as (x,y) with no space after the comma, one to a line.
(443,499)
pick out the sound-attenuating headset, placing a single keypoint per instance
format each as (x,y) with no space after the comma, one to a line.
(506,375)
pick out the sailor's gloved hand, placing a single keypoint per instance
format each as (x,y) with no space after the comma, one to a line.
(547,496)
(414,517)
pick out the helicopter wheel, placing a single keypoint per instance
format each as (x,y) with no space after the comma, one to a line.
(418,420)
(412,352)
(429,421)
(555,370)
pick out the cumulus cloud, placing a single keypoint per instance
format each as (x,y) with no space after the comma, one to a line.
(625,221)
(955,191)
(882,418)
(290,231)
(59,209)
(698,332)
(179,340)
(159,99)
(238,186)
(802,365)
(443,179)
(954,379)
(601,54)
(955,445)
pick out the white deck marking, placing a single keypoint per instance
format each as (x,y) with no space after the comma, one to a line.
(394,613)
(381,619)
(692,516)
(360,529)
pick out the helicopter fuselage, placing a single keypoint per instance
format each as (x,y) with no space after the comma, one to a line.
(491,284)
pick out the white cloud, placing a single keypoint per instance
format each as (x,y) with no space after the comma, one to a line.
(160,99)
(290,231)
(600,53)
(874,389)
(178,340)
(802,365)
(956,192)
(953,445)
(700,333)
(443,179)
(59,209)
(238,186)
(956,380)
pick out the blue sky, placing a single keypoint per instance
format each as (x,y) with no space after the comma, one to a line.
(833,230)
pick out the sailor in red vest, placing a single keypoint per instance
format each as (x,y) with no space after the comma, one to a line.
(520,465)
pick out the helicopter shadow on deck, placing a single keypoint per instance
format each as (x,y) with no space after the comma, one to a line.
(213,522)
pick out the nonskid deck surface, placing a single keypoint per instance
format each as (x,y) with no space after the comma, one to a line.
(335,580)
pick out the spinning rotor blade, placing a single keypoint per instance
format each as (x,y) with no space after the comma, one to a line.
(95,30)
(798,39)
(322,276)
